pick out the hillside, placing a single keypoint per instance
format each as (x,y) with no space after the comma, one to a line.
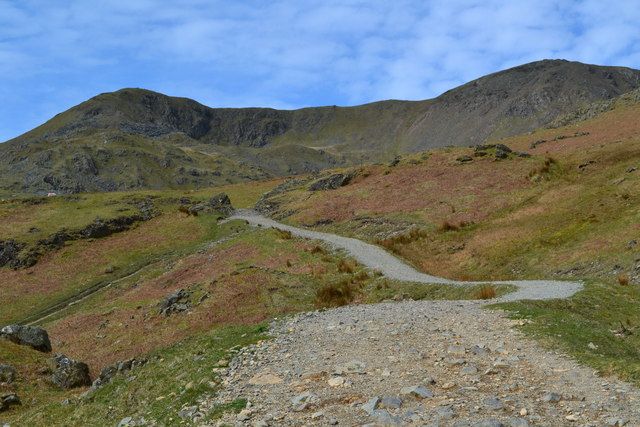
(183,291)
(135,138)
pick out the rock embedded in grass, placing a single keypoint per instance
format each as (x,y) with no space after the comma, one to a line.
(8,374)
(32,336)
(69,373)
(7,400)
(331,182)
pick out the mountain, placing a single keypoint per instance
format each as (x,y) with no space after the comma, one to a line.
(135,138)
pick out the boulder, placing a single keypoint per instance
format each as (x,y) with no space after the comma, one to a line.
(69,373)
(7,374)
(175,303)
(32,336)
(7,400)
(221,203)
(331,182)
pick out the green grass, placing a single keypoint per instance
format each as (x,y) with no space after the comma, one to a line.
(594,315)
(173,378)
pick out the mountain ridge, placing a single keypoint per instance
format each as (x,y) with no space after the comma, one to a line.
(154,135)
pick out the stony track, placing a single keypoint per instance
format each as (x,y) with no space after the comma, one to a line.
(426,363)
(377,258)
(432,363)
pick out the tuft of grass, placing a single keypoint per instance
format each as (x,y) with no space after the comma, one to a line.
(486,292)
(544,169)
(336,294)
(453,226)
(284,234)
(623,280)
(346,266)
(317,249)
(448,226)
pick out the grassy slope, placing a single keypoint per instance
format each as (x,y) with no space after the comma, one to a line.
(236,285)
(576,219)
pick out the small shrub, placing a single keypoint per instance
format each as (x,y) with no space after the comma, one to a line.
(335,294)
(361,276)
(453,226)
(345,266)
(289,263)
(623,280)
(317,250)
(544,169)
(486,292)
(284,234)
(448,226)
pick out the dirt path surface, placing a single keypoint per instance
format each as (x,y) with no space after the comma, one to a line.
(377,258)
(434,363)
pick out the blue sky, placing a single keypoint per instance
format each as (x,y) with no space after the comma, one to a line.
(287,54)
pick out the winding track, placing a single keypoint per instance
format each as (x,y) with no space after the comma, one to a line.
(377,258)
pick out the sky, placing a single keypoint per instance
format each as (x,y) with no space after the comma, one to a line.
(290,53)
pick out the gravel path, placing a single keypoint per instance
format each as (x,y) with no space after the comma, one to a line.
(433,363)
(377,258)
(428,363)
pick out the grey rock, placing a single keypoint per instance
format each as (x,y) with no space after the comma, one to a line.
(464,159)
(221,203)
(445,412)
(518,422)
(331,182)
(489,423)
(175,303)
(479,351)
(371,405)
(384,418)
(552,398)
(417,391)
(7,374)
(351,367)
(107,373)
(304,401)
(132,422)
(493,403)
(32,336)
(188,413)
(390,402)
(469,370)
(69,373)
(8,400)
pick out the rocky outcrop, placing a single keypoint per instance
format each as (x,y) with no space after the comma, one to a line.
(69,373)
(18,255)
(109,372)
(331,182)
(177,302)
(10,252)
(266,205)
(221,203)
(32,336)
